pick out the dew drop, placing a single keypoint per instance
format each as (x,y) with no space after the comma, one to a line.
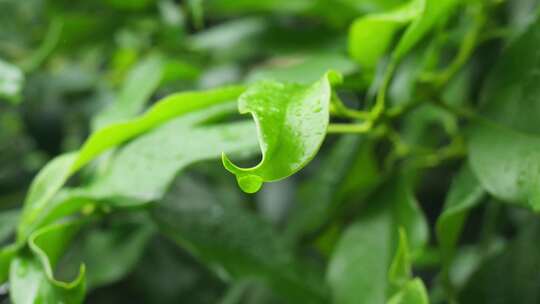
(250,183)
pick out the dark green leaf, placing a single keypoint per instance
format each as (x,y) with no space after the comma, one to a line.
(358,270)
(465,193)
(349,170)
(511,275)
(504,149)
(234,242)
(110,254)
(8,223)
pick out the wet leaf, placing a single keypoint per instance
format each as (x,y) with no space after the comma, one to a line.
(55,174)
(142,171)
(291,121)
(32,277)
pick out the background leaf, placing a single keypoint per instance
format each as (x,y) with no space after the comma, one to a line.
(236,244)
(503,149)
(11,82)
(367,246)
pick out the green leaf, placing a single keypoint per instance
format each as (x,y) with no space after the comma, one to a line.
(142,170)
(401,269)
(7,253)
(349,170)
(511,274)
(433,12)
(504,148)
(213,226)
(414,292)
(110,254)
(142,81)
(409,290)
(56,173)
(370,36)
(32,273)
(44,186)
(359,267)
(291,121)
(243,6)
(465,193)
(11,82)
(8,223)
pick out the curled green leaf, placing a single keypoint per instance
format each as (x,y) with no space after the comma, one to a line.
(32,276)
(291,122)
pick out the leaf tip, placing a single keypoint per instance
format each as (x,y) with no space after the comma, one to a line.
(249,183)
(334,77)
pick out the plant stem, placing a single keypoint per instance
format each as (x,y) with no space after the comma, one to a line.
(380,102)
(350,128)
(339,109)
(236,292)
(47,46)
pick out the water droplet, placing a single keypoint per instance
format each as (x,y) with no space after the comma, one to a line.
(250,183)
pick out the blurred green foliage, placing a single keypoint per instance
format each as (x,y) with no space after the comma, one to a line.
(398,142)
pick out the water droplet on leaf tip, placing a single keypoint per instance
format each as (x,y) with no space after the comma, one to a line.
(250,183)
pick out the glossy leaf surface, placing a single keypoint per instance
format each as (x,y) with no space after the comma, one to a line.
(291,121)
(125,182)
(53,177)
